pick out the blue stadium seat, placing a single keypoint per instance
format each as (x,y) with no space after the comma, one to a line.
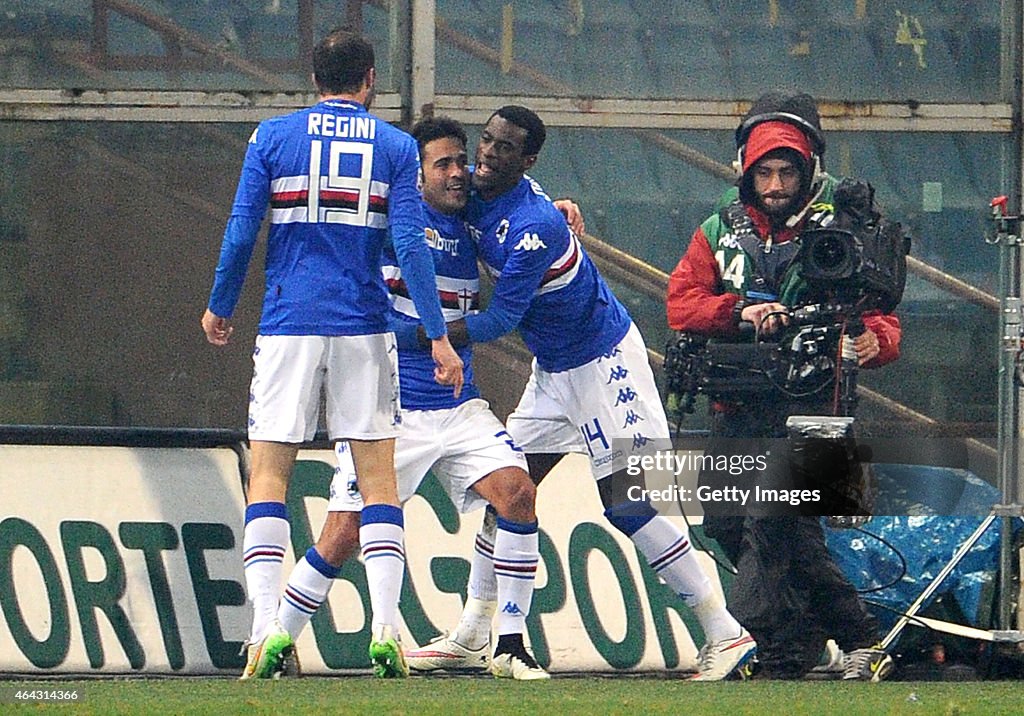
(558,169)
(845,65)
(759,57)
(686,62)
(609,62)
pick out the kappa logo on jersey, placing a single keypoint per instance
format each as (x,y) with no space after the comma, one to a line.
(252,137)
(530,242)
(502,231)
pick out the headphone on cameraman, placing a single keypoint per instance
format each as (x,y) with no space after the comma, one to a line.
(816,175)
(812,133)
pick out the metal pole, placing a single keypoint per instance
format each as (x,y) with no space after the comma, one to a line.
(1009,415)
(424,16)
(1010,406)
(912,610)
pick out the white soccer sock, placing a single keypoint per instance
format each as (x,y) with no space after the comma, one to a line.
(482,583)
(515,567)
(715,619)
(381,539)
(263,545)
(668,551)
(307,589)
(474,628)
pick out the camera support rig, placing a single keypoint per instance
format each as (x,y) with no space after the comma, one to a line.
(1008,237)
(813,353)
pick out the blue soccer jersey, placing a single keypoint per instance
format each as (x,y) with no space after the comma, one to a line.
(458,288)
(547,286)
(336,178)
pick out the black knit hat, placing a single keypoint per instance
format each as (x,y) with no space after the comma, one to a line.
(798,109)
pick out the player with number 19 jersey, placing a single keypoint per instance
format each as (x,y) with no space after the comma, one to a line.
(549,287)
(334,177)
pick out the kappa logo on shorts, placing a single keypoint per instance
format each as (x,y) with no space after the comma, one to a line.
(617,373)
(626,395)
(632,418)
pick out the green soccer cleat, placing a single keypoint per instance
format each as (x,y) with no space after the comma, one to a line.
(267,657)
(386,656)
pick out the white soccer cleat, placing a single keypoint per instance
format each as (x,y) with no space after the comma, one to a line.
(446,654)
(832,661)
(719,659)
(520,667)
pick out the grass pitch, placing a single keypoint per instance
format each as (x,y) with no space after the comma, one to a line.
(593,696)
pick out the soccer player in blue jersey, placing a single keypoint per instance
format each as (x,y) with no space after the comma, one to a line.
(591,390)
(336,179)
(459,438)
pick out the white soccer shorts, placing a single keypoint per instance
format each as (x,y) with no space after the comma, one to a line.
(358,376)
(460,445)
(608,409)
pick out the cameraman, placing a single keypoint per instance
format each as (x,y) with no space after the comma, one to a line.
(740,267)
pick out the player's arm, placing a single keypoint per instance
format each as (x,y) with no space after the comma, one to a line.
(536,247)
(696,300)
(247,211)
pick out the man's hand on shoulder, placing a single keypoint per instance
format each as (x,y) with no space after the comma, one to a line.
(573,216)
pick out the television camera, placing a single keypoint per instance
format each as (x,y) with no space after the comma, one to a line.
(855,262)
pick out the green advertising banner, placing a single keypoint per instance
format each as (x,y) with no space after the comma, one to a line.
(127,560)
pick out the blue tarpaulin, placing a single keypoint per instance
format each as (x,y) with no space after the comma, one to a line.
(936,510)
